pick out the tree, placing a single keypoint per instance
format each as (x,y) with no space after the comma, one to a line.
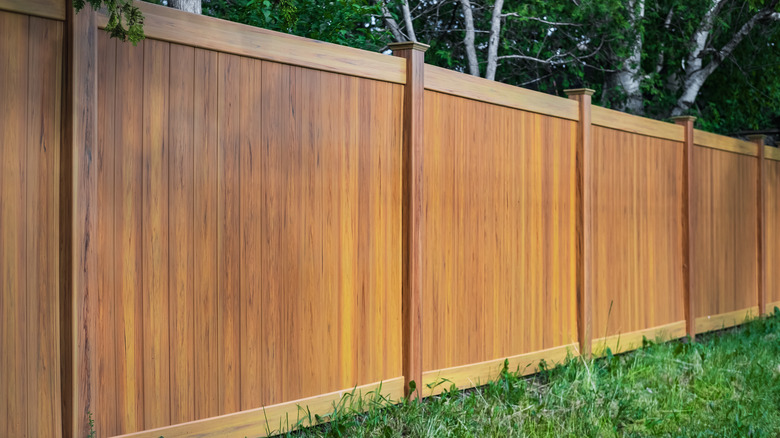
(193,6)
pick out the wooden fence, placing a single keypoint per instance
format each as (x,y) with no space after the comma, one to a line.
(223,227)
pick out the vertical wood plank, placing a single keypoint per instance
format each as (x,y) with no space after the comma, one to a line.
(256,204)
(156,335)
(180,231)
(584,157)
(14,49)
(106,365)
(761,217)
(205,370)
(78,251)
(348,187)
(128,125)
(412,286)
(228,234)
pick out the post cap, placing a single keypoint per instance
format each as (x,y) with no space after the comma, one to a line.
(756,138)
(684,119)
(408,45)
(579,92)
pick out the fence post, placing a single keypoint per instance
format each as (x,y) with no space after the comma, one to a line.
(78,194)
(687,245)
(760,234)
(584,159)
(412,208)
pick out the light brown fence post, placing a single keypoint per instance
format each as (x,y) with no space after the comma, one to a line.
(760,234)
(584,157)
(412,208)
(687,181)
(77,215)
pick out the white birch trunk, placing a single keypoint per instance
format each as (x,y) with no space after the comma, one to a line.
(468,38)
(495,34)
(193,6)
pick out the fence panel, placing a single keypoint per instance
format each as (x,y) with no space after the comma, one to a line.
(771,229)
(249,226)
(724,218)
(31,85)
(499,248)
(637,233)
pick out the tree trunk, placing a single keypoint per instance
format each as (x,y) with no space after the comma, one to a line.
(629,78)
(193,6)
(468,38)
(495,34)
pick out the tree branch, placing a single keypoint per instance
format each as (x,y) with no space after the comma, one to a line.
(540,20)
(392,25)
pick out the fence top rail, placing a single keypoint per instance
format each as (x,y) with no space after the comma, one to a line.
(167,24)
(723,143)
(772,153)
(54,9)
(475,88)
(607,118)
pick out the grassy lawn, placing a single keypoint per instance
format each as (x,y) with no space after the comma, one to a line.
(725,384)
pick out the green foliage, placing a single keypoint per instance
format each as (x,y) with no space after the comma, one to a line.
(345,22)
(125,21)
(726,384)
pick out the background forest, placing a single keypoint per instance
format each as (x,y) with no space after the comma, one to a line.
(716,59)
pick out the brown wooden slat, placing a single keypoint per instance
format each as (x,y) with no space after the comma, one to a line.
(607,118)
(106,167)
(471,87)
(723,143)
(14,69)
(180,230)
(168,24)
(156,198)
(228,239)
(54,9)
(128,128)
(205,297)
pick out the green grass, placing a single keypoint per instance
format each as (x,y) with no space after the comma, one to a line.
(725,384)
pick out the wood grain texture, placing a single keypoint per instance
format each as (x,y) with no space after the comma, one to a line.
(761,243)
(106,317)
(128,243)
(636,226)
(607,118)
(476,374)
(167,24)
(413,157)
(685,225)
(723,215)
(256,212)
(584,227)
(499,259)
(772,238)
(44,96)
(53,9)
(625,342)
(462,85)
(79,291)
(14,372)
(772,153)
(723,143)
(156,286)
(725,320)
(281,417)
